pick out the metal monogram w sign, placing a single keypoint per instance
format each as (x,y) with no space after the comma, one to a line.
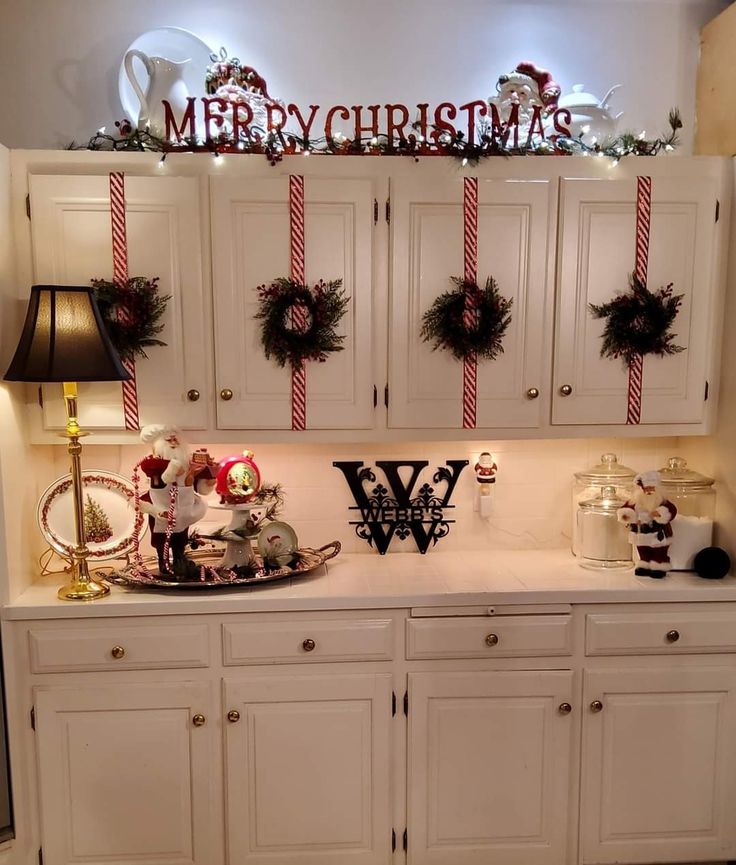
(392,509)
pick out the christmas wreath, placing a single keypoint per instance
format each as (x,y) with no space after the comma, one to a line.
(324,303)
(443,323)
(131,313)
(639,322)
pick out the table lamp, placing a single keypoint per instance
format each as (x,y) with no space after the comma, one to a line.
(64,340)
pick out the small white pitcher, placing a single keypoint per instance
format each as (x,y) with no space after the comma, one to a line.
(165,81)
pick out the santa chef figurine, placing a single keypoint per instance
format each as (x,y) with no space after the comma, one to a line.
(649,517)
(485,473)
(168,465)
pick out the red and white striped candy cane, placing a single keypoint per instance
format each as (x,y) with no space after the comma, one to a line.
(643,224)
(470,314)
(299,312)
(120,278)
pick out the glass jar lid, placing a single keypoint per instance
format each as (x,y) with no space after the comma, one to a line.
(607,500)
(608,471)
(677,474)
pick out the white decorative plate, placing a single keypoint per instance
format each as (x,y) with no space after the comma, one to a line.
(173,43)
(277,541)
(109,515)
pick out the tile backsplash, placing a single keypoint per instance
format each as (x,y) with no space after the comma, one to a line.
(532,504)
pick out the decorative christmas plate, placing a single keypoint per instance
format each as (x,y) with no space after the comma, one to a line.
(277,542)
(307,559)
(109,515)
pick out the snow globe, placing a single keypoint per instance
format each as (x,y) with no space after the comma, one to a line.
(238,483)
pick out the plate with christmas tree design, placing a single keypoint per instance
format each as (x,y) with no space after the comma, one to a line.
(110,519)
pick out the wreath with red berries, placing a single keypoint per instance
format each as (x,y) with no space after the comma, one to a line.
(131,312)
(639,322)
(325,303)
(444,322)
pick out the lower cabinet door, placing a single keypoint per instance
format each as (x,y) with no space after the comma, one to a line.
(489,768)
(308,769)
(659,765)
(125,774)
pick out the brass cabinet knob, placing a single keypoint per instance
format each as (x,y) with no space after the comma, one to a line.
(193,395)
(672,636)
(233,716)
(596,706)
(309,645)
(118,652)
(226,394)
(532,393)
(566,390)
(199,720)
(492,640)
(564,708)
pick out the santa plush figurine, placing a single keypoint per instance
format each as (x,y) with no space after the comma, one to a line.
(169,464)
(649,516)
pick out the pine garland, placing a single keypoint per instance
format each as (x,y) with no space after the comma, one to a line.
(325,304)
(639,322)
(443,323)
(138,329)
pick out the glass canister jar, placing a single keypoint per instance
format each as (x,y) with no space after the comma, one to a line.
(588,484)
(694,496)
(604,541)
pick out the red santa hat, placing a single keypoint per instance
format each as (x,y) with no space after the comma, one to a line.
(549,89)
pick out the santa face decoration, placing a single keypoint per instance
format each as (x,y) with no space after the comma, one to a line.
(238,480)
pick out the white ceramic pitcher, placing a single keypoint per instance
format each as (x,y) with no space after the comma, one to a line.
(165,81)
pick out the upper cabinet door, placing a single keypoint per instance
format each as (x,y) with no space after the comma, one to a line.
(597,255)
(427,249)
(250,246)
(72,244)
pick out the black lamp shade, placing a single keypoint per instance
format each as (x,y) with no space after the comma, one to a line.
(64,339)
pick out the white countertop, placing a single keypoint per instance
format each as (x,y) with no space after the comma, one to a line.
(399,580)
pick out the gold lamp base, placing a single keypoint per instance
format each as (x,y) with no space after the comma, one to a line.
(78,590)
(81,587)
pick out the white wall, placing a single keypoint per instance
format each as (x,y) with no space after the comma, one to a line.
(59,59)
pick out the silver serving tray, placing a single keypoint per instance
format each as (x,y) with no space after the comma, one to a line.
(310,559)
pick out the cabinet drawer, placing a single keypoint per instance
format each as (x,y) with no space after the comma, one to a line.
(660,633)
(118,647)
(292,642)
(488,637)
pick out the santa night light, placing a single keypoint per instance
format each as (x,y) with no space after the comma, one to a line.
(649,515)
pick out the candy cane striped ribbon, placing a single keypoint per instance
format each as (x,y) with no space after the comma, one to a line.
(643,224)
(470,314)
(299,312)
(120,277)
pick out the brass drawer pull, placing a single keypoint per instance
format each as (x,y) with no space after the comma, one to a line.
(226,394)
(596,706)
(492,640)
(233,716)
(118,652)
(532,393)
(672,636)
(566,390)
(564,708)
(309,645)
(193,395)
(199,720)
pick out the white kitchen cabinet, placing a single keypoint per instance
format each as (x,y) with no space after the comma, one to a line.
(426,386)
(72,244)
(308,767)
(489,767)
(659,764)
(250,247)
(596,256)
(124,774)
